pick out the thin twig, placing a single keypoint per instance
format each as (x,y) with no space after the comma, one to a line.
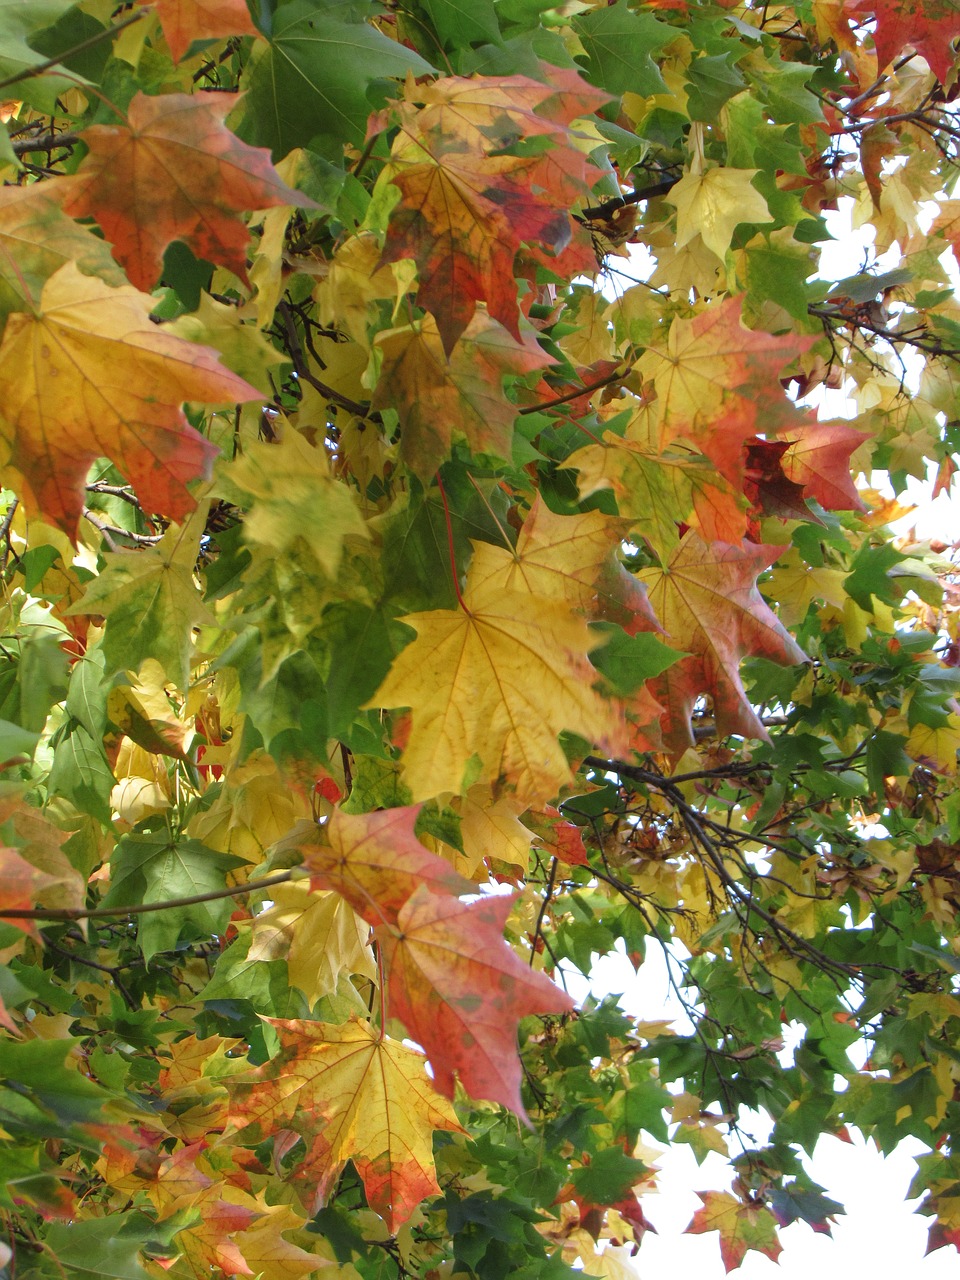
(30,72)
(140,908)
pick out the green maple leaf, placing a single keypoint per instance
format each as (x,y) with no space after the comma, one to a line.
(151,602)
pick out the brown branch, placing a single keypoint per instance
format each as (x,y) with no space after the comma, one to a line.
(49,142)
(575,394)
(635,197)
(302,370)
(140,908)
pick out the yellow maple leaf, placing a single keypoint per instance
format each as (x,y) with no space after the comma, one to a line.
(352,1095)
(265,1250)
(492,829)
(936,746)
(319,935)
(713,203)
(491,686)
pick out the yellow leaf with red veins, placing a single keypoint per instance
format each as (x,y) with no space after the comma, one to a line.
(88,375)
(461,991)
(440,397)
(741,1226)
(706,597)
(491,686)
(174,171)
(351,1095)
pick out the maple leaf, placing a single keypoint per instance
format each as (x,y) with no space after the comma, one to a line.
(741,1226)
(461,991)
(89,375)
(495,682)
(570,558)
(491,829)
(292,496)
(713,203)
(657,492)
(185,21)
(769,489)
(374,860)
(438,396)
(152,602)
(36,239)
(318,934)
(21,883)
(819,459)
(927,26)
(718,383)
(173,171)
(351,1095)
(470,196)
(706,596)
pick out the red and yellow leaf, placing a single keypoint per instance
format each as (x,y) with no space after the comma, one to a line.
(174,171)
(88,375)
(461,991)
(351,1095)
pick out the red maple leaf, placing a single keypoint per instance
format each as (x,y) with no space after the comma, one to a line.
(461,991)
(927,26)
(174,171)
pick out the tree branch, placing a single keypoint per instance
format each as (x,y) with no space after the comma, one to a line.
(141,908)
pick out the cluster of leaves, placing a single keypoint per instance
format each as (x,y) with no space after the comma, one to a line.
(404,605)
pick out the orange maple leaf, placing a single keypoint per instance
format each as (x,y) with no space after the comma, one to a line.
(374,860)
(20,882)
(87,375)
(184,21)
(461,991)
(741,1226)
(350,1094)
(707,599)
(718,383)
(819,459)
(439,396)
(473,189)
(174,171)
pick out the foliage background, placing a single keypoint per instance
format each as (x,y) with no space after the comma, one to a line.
(394,619)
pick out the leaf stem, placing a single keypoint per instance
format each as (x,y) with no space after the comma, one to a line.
(450,546)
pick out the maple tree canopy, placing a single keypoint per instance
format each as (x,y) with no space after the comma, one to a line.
(412,594)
